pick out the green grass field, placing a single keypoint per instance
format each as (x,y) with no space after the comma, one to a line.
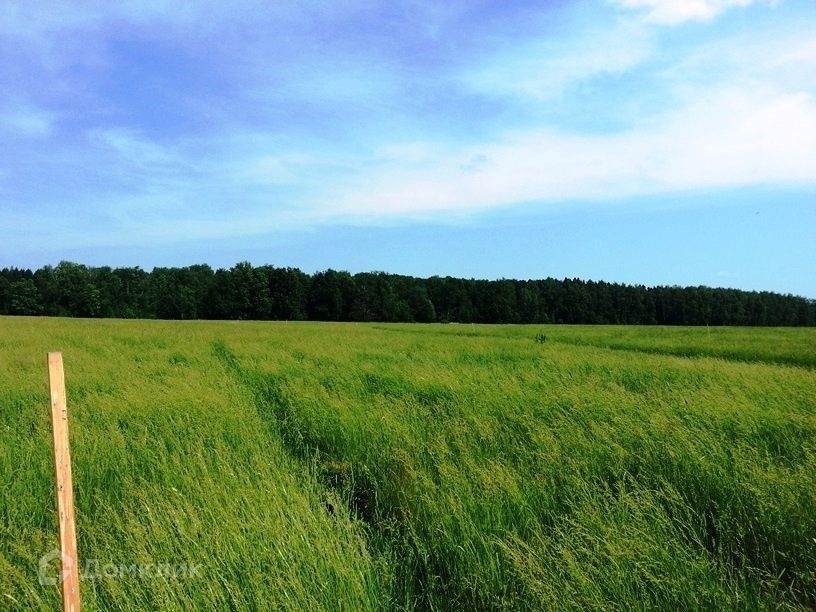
(369,466)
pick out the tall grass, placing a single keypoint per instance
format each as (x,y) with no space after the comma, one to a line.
(172,464)
(791,346)
(441,467)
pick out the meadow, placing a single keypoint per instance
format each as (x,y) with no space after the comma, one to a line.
(398,467)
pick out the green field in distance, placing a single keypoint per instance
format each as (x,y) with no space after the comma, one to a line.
(389,467)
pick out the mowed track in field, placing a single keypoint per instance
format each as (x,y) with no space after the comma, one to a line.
(371,466)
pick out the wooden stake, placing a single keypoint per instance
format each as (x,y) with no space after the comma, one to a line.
(65,491)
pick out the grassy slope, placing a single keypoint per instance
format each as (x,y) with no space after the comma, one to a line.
(172,463)
(785,346)
(480,468)
(792,346)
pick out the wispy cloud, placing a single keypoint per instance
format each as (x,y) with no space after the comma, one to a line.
(673,12)
(132,147)
(545,69)
(27,121)
(735,111)
(214,120)
(730,139)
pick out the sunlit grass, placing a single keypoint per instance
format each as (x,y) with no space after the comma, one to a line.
(348,466)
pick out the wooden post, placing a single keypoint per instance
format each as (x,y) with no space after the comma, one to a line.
(65,491)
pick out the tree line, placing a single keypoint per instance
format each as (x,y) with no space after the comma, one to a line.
(269,293)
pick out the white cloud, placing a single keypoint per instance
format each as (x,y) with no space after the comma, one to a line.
(672,12)
(545,70)
(131,146)
(29,122)
(733,138)
(278,169)
(731,113)
(735,112)
(785,59)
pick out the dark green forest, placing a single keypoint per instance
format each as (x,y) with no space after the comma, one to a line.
(266,292)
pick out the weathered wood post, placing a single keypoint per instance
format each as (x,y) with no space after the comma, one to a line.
(65,491)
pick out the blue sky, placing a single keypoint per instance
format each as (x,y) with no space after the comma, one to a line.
(642,141)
